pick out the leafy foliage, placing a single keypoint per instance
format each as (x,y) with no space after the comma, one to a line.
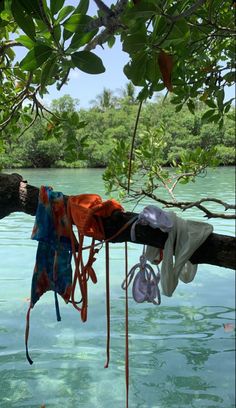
(184,46)
(91,137)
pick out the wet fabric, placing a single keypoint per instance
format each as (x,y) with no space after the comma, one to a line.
(145,282)
(86,211)
(184,239)
(155,217)
(52,269)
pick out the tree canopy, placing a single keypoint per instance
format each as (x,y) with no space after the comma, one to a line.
(88,137)
(183,46)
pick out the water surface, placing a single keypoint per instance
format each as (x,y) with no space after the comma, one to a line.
(180,354)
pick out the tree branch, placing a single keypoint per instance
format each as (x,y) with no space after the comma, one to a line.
(103,7)
(17,195)
(110,22)
(9,44)
(184,205)
(186,13)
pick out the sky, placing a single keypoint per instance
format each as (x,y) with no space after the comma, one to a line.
(86,87)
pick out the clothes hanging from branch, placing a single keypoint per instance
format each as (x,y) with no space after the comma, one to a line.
(184,238)
(52,269)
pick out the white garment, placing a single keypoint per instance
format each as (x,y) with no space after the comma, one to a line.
(187,236)
(153,216)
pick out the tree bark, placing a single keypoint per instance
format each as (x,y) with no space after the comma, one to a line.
(17,195)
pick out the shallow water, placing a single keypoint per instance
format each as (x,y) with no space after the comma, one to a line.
(180,354)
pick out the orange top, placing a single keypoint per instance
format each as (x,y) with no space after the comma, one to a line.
(84,210)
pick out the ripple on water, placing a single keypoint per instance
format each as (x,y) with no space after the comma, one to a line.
(180,354)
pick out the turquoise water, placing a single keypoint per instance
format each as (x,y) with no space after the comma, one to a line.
(180,354)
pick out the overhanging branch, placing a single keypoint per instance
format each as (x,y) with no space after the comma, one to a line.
(17,195)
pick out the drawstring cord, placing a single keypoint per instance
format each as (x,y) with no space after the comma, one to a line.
(86,272)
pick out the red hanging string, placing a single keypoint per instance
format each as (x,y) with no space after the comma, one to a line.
(107,303)
(126,328)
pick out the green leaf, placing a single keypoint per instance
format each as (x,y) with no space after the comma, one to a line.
(5,15)
(47,70)
(64,13)
(153,71)
(111,41)
(210,103)
(30,7)
(136,69)
(10,53)
(191,106)
(144,9)
(26,41)
(229,77)
(36,57)
(221,123)
(83,6)
(220,99)
(67,34)
(157,87)
(133,43)
(208,114)
(227,105)
(57,32)
(160,24)
(215,118)
(24,21)
(179,107)
(56,5)
(143,94)
(79,40)
(179,33)
(88,62)
(77,23)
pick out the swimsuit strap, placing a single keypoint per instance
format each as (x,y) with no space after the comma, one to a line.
(128,279)
(27,327)
(126,328)
(107,303)
(83,280)
(57,307)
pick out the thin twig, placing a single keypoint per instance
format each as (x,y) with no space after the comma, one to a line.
(215,200)
(186,205)
(132,144)
(186,13)
(29,126)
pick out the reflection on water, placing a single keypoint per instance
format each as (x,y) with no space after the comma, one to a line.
(180,354)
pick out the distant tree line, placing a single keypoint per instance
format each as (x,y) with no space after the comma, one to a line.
(76,137)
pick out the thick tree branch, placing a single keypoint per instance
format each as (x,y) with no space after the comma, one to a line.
(17,195)
(9,44)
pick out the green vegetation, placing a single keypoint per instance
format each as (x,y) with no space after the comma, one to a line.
(184,48)
(87,138)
